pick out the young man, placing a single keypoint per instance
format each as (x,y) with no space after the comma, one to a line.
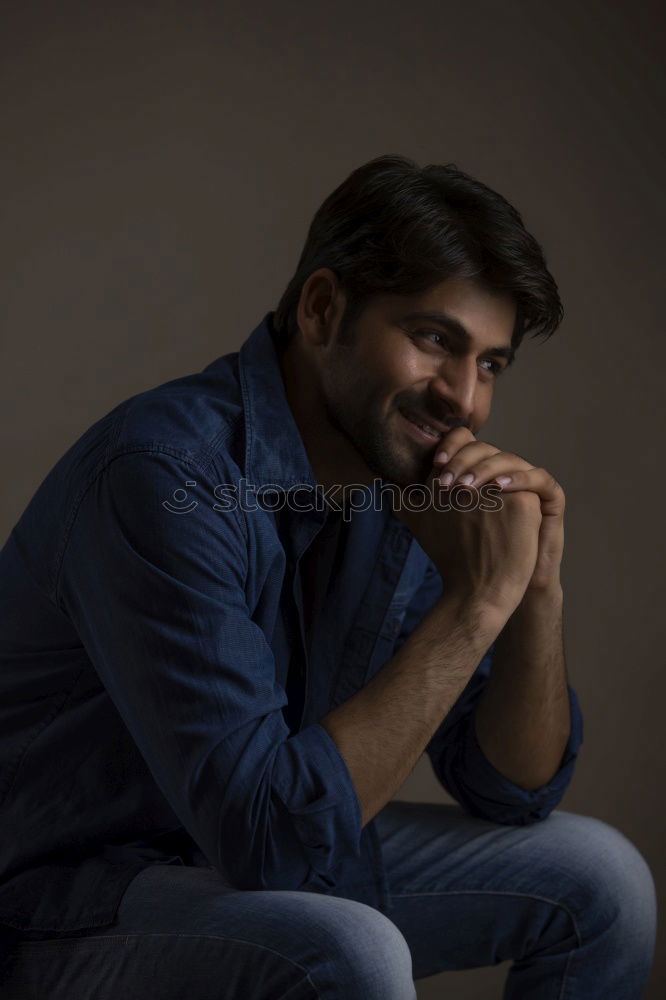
(228,636)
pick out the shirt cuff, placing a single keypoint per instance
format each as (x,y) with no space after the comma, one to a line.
(497,798)
(318,793)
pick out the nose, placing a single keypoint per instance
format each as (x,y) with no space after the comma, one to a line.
(456,383)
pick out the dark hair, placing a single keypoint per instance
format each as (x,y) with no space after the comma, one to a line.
(395,227)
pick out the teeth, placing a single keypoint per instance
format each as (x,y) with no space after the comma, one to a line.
(428,428)
(424,427)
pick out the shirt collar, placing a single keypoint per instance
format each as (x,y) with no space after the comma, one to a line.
(275,454)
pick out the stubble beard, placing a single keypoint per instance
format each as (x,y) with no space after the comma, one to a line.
(376,446)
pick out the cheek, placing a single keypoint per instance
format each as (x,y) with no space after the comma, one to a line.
(380,380)
(403,375)
(386,370)
(482,408)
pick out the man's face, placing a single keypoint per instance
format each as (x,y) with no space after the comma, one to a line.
(393,367)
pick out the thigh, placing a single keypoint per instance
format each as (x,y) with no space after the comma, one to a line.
(466,892)
(182,932)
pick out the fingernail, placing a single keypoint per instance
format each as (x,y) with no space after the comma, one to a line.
(466,480)
(503,480)
(446,479)
(442,457)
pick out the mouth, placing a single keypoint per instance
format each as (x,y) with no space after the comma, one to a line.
(425,431)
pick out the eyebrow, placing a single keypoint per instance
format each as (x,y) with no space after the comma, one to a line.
(455,327)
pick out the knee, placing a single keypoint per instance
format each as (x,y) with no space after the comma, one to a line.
(364,954)
(607,873)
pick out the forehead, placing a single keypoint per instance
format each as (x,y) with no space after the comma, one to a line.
(485,318)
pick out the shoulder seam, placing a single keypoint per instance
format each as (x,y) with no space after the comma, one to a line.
(148,448)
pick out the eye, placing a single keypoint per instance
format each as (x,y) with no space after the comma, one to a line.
(431,333)
(496,368)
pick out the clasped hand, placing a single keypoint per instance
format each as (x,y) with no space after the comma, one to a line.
(473,463)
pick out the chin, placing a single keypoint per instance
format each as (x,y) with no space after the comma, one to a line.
(405,476)
(392,462)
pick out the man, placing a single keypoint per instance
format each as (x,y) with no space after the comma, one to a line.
(228,637)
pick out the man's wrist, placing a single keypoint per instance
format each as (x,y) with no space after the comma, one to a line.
(483,616)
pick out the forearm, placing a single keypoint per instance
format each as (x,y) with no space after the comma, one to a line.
(522,720)
(383,729)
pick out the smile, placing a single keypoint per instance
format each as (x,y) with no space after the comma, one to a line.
(424,431)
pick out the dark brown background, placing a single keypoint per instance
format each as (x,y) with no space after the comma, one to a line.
(160,166)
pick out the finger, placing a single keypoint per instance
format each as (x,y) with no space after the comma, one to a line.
(451,442)
(538,481)
(486,467)
(467,457)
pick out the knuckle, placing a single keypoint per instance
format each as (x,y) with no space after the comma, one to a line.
(459,436)
(552,482)
(527,500)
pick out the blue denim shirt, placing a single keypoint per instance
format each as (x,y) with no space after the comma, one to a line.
(150,617)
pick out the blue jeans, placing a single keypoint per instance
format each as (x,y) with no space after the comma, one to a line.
(569,900)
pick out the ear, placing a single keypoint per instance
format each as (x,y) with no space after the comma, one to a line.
(320,307)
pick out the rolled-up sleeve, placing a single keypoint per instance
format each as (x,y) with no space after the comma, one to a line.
(465,772)
(159,600)
(459,763)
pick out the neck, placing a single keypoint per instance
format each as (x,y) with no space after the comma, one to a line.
(334,461)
